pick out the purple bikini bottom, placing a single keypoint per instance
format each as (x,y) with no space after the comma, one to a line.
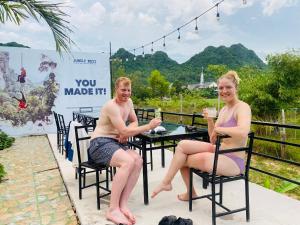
(239,161)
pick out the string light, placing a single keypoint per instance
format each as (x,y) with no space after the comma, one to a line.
(196,27)
(177,29)
(152,47)
(134,58)
(218,14)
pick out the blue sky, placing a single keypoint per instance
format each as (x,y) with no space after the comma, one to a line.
(265,26)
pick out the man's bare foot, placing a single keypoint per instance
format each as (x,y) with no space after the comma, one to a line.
(185,196)
(161,187)
(117,217)
(128,214)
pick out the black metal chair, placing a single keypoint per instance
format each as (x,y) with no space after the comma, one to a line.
(62,131)
(214,179)
(92,167)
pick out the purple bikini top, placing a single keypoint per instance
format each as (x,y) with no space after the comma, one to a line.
(229,123)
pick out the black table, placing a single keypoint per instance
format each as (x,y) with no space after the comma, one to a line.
(173,132)
(86,118)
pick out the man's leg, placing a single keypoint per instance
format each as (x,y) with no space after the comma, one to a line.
(131,182)
(125,164)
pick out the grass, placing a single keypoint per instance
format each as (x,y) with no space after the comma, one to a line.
(272,183)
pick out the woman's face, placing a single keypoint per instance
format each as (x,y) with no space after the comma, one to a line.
(227,90)
(123,92)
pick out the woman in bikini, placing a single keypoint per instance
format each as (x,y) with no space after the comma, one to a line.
(234,120)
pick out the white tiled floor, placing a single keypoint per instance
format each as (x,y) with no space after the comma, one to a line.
(266,207)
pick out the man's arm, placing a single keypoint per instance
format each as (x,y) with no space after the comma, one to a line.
(119,123)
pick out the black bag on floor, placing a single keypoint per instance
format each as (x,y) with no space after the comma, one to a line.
(182,221)
(167,220)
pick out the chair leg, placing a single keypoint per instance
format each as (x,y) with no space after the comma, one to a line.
(107,178)
(84,176)
(221,192)
(97,189)
(213,202)
(205,183)
(247,200)
(79,180)
(191,190)
(151,160)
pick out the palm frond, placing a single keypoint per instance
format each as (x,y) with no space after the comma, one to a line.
(51,13)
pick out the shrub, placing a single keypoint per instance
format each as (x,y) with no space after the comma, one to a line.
(2,172)
(5,140)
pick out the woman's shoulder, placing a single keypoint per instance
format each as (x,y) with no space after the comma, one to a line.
(243,104)
(243,107)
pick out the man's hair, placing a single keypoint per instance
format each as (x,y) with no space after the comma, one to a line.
(125,80)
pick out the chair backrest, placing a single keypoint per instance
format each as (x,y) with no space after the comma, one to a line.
(86,109)
(80,136)
(56,121)
(195,120)
(139,113)
(150,114)
(61,122)
(247,149)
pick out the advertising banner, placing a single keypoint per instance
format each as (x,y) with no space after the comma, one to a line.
(33,83)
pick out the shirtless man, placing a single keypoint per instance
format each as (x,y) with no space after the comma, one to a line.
(108,147)
(234,120)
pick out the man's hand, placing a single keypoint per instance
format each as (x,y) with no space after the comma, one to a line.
(122,139)
(154,123)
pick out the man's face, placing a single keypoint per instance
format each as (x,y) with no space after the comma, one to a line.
(123,92)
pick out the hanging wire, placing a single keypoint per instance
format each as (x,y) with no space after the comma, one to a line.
(177,29)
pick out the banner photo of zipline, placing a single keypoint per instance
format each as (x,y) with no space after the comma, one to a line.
(34,83)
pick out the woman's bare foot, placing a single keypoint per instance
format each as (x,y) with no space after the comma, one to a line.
(117,217)
(185,196)
(161,187)
(128,214)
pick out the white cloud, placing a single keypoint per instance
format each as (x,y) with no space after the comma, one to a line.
(87,19)
(272,6)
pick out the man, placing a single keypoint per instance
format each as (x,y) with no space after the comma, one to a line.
(108,147)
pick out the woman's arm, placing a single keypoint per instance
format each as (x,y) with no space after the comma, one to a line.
(243,118)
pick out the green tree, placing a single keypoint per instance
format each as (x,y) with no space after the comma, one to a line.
(18,10)
(158,84)
(269,91)
(215,71)
(140,91)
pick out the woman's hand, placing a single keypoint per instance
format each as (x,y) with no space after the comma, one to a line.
(154,123)
(205,115)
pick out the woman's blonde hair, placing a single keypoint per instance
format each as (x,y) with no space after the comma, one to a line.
(124,80)
(231,75)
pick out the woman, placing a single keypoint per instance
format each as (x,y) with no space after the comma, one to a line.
(108,146)
(234,120)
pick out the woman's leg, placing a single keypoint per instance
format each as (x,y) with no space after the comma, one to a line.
(125,164)
(186,178)
(131,182)
(183,150)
